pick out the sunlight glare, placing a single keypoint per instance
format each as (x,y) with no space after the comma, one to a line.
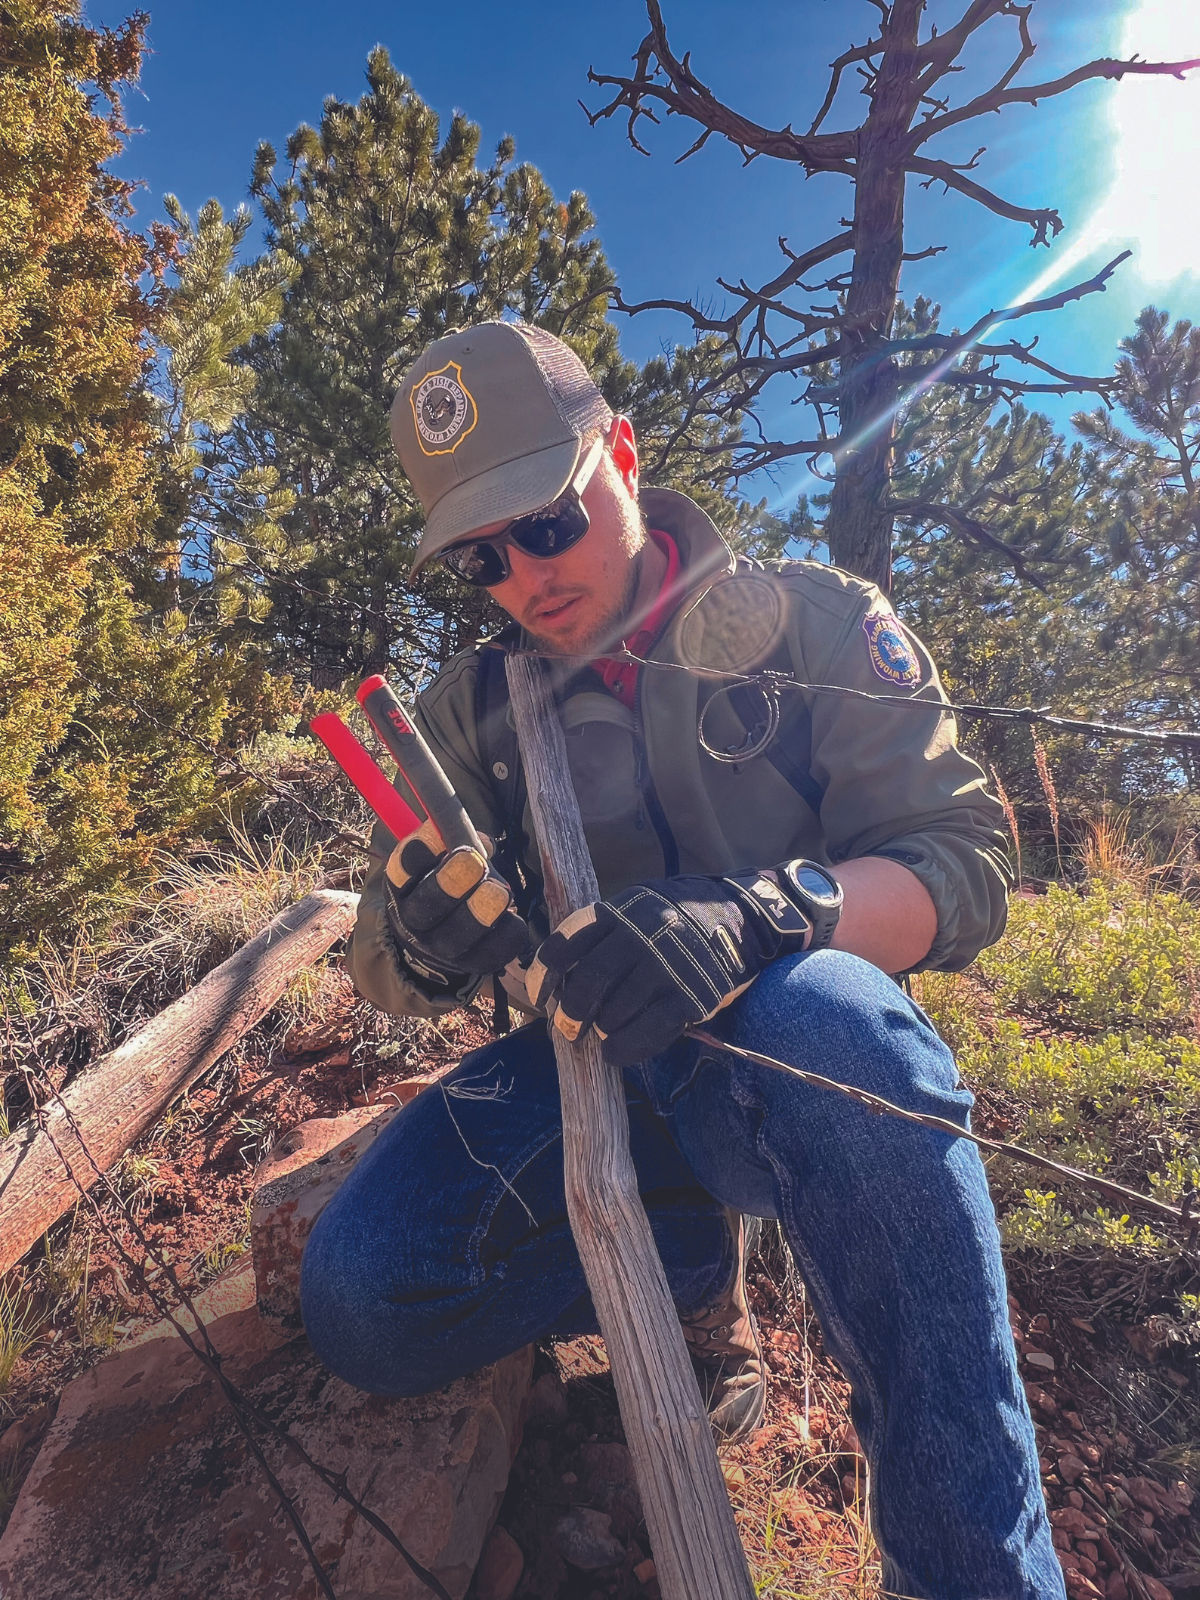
(1156,122)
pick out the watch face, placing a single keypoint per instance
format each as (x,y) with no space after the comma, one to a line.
(814,882)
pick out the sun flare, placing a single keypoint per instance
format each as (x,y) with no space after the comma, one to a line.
(1156,122)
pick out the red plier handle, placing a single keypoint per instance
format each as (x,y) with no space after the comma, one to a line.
(360,767)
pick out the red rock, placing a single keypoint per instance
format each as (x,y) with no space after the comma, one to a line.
(144,1476)
(799,1513)
(1116,1588)
(611,1485)
(500,1567)
(1085,1547)
(845,1441)
(1071,1467)
(1145,1492)
(1080,1586)
(644,1571)
(1040,1400)
(291,1188)
(1070,1520)
(1060,1538)
(1108,1551)
(1156,1590)
(1074,1498)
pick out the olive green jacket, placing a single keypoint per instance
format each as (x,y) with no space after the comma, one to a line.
(882,779)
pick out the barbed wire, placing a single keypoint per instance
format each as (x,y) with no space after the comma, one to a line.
(771,682)
(873,1102)
(242,1407)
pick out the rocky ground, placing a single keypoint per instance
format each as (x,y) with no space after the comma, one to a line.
(570,1527)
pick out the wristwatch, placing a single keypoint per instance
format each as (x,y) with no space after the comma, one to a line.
(818,894)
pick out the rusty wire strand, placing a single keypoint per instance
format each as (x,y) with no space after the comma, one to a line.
(873,1102)
(210,1357)
(771,682)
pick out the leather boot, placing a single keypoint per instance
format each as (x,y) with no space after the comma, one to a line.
(722,1340)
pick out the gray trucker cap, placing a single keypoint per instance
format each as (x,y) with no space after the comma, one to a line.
(489,424)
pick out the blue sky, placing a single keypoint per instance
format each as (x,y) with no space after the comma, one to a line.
(226,73)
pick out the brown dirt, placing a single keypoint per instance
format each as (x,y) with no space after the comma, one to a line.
(1123,1513)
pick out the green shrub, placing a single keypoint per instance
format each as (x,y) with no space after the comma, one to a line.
(1092,1059)
(1117,956)
(1119,1106)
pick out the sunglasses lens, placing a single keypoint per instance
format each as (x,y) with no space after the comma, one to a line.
(542,534)
(550,532)
(481,564)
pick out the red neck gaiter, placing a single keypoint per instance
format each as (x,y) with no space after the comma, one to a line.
(620,677)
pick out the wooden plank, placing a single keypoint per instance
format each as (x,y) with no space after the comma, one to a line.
(697,1552)
(124,1093)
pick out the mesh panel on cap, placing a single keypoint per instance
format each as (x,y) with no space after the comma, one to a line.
(580,404)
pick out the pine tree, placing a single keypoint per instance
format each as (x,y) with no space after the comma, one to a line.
(71,325)
(210,314)
(1077,590)
(395,232)
(1152,524)
(106,691)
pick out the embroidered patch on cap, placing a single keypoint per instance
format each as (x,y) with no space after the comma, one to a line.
(443,409)
(893,658)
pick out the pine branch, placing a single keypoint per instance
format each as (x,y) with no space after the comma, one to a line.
(978,532)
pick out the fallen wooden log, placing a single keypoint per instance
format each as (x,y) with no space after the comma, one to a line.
(124,1093)
(697,1552)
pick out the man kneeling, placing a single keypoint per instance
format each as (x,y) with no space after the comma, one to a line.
(764,863)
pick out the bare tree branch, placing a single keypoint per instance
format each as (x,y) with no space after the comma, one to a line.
(1052,302)
(999,96)
(1039,219)
(684,95)
(940,51)
(771,331)
(943,49)
(862,52)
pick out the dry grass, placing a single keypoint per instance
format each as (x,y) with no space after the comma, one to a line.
(70,1005)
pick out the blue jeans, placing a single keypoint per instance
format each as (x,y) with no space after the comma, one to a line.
(448,1246)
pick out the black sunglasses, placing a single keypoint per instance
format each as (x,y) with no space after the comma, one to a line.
(484,563)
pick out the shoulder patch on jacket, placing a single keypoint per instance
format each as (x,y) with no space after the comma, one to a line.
(892,657)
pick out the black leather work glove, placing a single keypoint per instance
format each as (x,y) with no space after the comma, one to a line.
(641,966)
(451,916)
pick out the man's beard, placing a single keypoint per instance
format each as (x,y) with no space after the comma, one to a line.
(605,636)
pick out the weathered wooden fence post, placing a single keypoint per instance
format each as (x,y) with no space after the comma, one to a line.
(697,1551)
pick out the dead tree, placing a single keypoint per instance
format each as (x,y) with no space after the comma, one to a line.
(776,328)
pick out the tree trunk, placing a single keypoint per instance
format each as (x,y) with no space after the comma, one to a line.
(697,1552)
(123,1095)
(859,528)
